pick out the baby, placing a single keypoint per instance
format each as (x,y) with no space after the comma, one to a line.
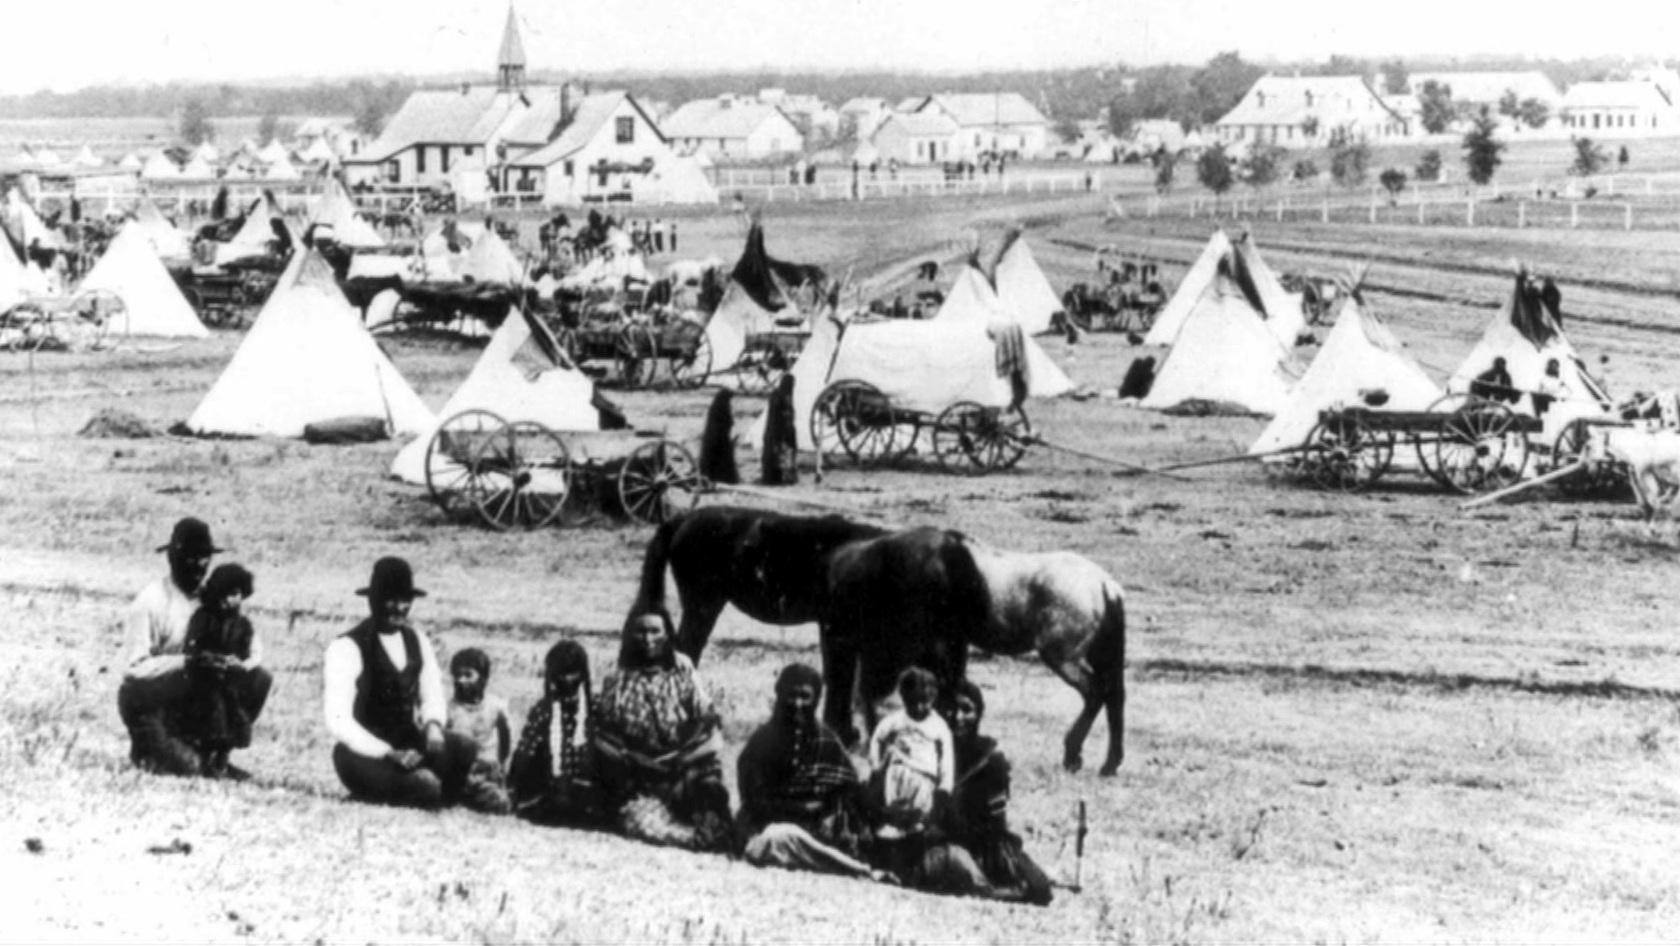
(913,757)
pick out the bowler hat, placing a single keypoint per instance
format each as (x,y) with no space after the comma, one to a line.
(192,536)
(391,579)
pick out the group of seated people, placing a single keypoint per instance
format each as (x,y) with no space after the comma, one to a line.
(641,755)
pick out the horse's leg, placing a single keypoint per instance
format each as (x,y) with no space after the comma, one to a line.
(700,611)
(1077,675)
(840,674)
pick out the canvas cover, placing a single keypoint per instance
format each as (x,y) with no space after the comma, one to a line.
(87,159)
(335,208)
(1224,353)
(1284,314)
(256,232)
(491,261)
(19,278)
(152,303)
(1359,355)
(166,240)
(517,378)
(158,167)
(306,359)
(1527,334)
(1022,287)
(1278,309)
(1189,292)
(736,317)
(679,180)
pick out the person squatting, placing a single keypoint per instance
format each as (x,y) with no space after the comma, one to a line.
(640,755)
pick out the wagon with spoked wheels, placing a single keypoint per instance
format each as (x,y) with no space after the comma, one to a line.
(639,348)
(523,475)
(1468,444)
(39,323)
(855,420)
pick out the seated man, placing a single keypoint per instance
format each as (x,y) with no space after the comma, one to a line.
(1495,384)
(385,706)
(155,683)
(800,796)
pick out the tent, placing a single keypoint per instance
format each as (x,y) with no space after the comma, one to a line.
(1527,333)
(752,299)
(131,162)
(1224,353)
(306,359)
(923,365)
(18,277)
(207,153)
(679,180)
(47,158)
(26,225)
(490,261)
(87,159)
(256,232)
(1359,355)
(198,169)
(273,153)
(1021,285)
(281,169)
(1280,310)
(520,377)
(335,208)
(158,167)
(166,241)
(318,152)
(152,302)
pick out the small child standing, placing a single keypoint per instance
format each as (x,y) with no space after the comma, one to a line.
(218,641)
(913,758)
(479,715)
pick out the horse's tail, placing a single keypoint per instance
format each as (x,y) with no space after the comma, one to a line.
(650,596)
(1108,667)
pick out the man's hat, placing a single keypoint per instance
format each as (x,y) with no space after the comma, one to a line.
(391,579)
(192,536)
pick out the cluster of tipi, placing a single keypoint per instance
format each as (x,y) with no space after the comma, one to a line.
(1232,330)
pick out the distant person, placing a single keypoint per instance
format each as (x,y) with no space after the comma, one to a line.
(1494,384)
(221,650)
(1551,389)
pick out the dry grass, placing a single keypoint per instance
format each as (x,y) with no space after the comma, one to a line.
(1352,718)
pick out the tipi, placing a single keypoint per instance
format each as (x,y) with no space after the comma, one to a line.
(158,167)
(256,232)
(336,209)
(1280,310)
(519,377)
(166,241)
(152,303)
(306,359)
(1021,285)
(1527,333)
(1359,356)
(1224,353)
(490,261)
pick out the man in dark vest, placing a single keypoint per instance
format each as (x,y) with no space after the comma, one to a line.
(385,706)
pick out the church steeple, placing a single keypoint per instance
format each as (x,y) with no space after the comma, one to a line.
(510,62)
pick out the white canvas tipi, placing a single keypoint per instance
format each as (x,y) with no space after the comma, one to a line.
(166,241)
(158,167)
(1189,292)
(490,261)
(306,359)
(1359,356)
(256,232)
(517,379)
(1526,345)
(336,209)
(1284,315)
(973,301)
(1278,309)
(1224,354)
(152,303)
(1022,288)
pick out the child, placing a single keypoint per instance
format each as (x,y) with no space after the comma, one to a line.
(552,776)
(218,642)
(913,758)
(480,717)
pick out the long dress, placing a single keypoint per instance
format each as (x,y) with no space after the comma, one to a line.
(552,774)
(979,822)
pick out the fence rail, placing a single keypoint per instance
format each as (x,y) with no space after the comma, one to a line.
(1454,212)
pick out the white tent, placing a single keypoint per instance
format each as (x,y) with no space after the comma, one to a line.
(207,153)
(1224,353)
(306,359)
(1526,354)
(1360,355)
(334,207)
(152,303)
(318,152)
(131,162)
(280,169)
(47,158)
(679,180)
(26,224)
(736,317)
(920,365)
(255,233)
(18,278)
(166,241)
(1021,286)
(87,159)
(1280,311)
(490,261)
(197,168)
(518,380)
(158,167)
(273,153)
(436,243)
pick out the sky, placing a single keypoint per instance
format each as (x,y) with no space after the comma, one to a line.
(76,43)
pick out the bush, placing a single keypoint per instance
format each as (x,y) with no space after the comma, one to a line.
(1213,169)
(1393,180)
(1348,163)
(1589,157)
(1305,170)
(1429,166)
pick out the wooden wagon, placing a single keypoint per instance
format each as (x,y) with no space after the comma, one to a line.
(1467,444)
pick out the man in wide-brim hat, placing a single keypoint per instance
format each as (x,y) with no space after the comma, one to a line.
(385,706)
(155,680)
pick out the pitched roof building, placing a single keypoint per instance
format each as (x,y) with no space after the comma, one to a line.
(999,123)
(1626,108)
(731,126)
(1488,88)
(1310,110)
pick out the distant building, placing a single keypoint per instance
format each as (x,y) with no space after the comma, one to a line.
(607,145)
(1639,108)
(1490,88)
(1002,123)
(917,138)
(729,126)
(1293,111)
(865,115)
(816,118)
(1152,134)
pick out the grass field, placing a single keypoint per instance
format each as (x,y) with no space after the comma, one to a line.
(1352,717)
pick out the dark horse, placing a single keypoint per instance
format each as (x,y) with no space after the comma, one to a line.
(773,567)
(924,596)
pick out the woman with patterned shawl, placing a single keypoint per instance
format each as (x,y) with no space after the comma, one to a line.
(978,816)
(657,743)
(552,776)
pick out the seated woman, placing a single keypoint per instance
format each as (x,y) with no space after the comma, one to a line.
(978,816)
(552,775)
(657,741)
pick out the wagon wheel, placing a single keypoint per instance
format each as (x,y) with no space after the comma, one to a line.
(659,480)
(991,438)
(1598,477)
(854,416)
(1425,442)
(634,350)
(1348,454)
(691,357)
(760,370)
(1481,447)
(540,474)
(451,480)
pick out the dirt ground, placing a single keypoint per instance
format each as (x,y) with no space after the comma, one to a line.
(1368,717)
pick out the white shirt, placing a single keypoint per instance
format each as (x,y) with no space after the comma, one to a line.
(343,667)
(157,629)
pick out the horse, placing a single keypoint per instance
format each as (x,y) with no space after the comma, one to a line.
(924,596)
(1652,458)
(771,566)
